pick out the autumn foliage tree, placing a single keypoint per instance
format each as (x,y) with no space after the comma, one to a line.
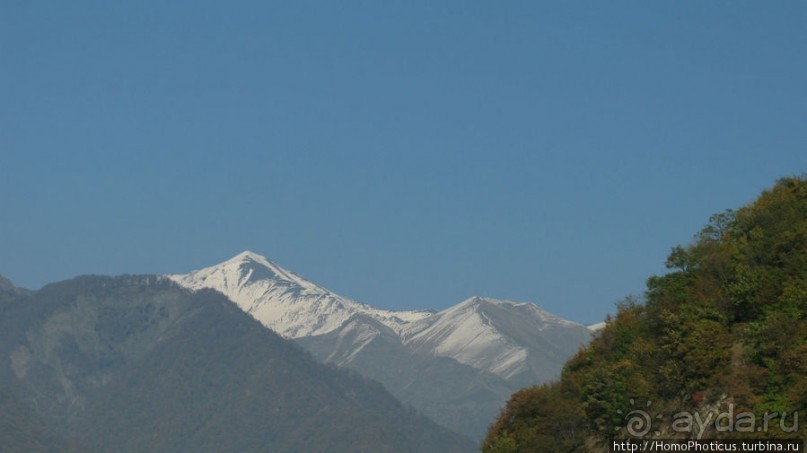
(727,322)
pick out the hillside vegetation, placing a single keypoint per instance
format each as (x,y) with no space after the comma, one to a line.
(724,332)
(136,363)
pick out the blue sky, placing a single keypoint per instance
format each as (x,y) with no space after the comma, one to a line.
(405,154)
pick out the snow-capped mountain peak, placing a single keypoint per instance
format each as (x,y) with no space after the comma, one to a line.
(476,352)
(254,267)
(283,301)
(495,335)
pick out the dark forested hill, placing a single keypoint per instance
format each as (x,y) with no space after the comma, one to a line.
(722,335)
(139,364)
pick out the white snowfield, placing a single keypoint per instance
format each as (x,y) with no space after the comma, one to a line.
(486,334)
(283,301)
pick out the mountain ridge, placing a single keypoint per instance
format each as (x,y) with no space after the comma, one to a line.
(295,307)
(107,359)
(283,301)
(492,346)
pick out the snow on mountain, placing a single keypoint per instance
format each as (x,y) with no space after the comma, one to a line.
(458,365)
(283,301)
(596,327)
(499,336)
(502,337)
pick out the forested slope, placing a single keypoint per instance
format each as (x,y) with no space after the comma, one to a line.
(136,363)
(724,332)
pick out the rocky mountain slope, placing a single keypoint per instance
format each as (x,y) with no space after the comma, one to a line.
(457,366)
(283,301)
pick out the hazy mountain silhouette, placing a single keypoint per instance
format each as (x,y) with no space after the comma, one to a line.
(141,364)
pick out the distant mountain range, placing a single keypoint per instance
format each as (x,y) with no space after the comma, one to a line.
(458,366)
(138,363)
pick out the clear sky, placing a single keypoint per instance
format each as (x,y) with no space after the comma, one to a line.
(404,154)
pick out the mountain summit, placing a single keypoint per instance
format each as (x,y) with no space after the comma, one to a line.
(517,341)
(283,301)
(458,366)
